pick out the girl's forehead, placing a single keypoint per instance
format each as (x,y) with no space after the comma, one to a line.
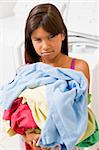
(39,32)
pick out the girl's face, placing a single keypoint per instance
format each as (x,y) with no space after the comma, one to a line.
(46,45)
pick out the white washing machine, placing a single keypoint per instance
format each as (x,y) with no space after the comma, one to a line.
(92,58)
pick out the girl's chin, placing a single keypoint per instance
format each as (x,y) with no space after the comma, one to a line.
(47,57)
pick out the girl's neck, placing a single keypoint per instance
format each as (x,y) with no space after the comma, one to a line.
(58,61)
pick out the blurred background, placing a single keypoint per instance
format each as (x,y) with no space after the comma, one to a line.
(82,20)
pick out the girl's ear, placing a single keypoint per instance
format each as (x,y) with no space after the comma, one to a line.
(63,36)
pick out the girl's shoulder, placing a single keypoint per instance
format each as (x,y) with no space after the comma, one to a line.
(78,64)
(82,65)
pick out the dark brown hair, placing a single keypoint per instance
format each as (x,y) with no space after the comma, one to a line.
(48,17)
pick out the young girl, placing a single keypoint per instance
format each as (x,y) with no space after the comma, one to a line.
(46,40)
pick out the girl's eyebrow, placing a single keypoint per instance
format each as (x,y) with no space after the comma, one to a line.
(35,37)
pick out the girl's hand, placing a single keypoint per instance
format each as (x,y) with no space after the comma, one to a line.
(32,139)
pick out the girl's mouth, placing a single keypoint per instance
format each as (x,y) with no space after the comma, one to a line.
(46,53)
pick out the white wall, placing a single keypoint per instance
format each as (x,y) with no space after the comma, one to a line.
(6,8)
(7,63)
(83,16)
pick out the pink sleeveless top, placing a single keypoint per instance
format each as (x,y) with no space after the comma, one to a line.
(73,63)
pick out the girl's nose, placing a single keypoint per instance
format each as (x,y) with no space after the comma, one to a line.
(45,45)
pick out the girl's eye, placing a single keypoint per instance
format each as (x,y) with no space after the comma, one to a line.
(51,36)
(38,40)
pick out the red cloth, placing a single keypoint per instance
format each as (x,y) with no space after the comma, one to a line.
(8,113)
(20,117)
(28,147)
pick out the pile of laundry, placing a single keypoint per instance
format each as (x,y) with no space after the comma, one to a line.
(51,101)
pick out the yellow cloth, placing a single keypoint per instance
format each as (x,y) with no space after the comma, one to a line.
(36,99)
(11,132)
(90,128)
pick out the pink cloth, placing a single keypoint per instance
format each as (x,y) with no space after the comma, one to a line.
(20,117)
(73,63)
